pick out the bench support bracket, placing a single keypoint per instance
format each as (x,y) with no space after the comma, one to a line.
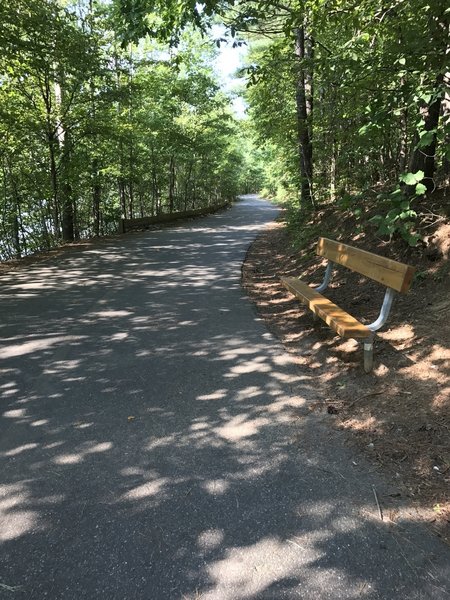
(385,310)
(375,326)
(326,279)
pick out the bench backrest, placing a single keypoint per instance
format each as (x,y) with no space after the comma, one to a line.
(390,273)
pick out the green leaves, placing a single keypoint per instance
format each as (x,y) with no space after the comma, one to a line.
(420,189)
(400,218)
(373,75)
(426,138)
(412,178)
(149,128)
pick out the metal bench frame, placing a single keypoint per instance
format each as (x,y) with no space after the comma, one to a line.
(388,300)
(395,276)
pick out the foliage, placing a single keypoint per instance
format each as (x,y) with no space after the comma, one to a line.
(400,219)
(378,74)
(92,129)
(112,108)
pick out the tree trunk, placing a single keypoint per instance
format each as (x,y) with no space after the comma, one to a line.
(68,217)
(15,216)
(130,121)
(446,120)
(130,198)
(304,105)
(96,197)
(155,192)
(44,216)
(194,191)
(403,149)
(52,144)
(187,183)
(130,180)
(65,144)
(95,166)
(423,158)
(333,170)
(122,196)
(171,184)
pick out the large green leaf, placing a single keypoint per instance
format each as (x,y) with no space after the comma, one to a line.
(420,189)
(426,138)
(412,178)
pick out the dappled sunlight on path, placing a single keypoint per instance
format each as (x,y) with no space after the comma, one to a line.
(154,439)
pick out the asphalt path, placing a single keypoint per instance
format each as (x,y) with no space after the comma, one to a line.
(156,443)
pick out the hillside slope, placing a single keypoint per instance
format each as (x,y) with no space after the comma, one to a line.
(400,414)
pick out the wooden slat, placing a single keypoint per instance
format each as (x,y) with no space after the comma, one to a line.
(339,320)
(390,273)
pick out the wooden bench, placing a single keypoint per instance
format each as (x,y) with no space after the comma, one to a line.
(396,276)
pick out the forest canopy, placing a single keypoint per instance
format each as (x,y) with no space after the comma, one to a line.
(93,129)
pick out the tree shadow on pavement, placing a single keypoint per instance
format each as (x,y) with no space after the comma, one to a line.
(155,441)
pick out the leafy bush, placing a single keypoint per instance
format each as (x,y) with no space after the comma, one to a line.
(401,218)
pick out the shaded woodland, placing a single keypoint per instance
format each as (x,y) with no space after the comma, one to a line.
(94,128)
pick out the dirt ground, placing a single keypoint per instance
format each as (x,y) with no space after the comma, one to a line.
(399,415)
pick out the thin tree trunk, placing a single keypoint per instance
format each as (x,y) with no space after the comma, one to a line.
(403,149)
(122,196)
(186,185)
(446,120)
(15,213)
(44,215)
(65,144)
(194,191)
(130,119)
(96,197)
(96,187)
(304,104)
(65,190)
(68,213)
(424,158)
(155,192)
(52,144)
(131,198)
(171,184)
(120,179)
(95,166)
(141,203)
(333,170)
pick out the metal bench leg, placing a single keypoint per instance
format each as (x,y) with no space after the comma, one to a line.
(368,356)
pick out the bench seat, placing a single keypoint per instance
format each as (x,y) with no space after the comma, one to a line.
(394,275)
(336,318)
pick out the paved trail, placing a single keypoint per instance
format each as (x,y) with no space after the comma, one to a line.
(151,446)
